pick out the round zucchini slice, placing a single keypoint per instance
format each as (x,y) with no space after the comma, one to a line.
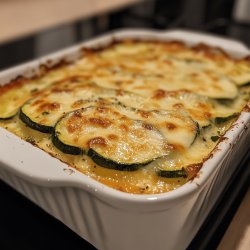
(14,98)
(11,100)
(198,107)
(110,138)
(240,73)
(202,80)
(217,86)
(8,113)
(42,113)
(18,92)
(179,129)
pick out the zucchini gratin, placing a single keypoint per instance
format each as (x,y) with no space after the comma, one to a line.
(138,116)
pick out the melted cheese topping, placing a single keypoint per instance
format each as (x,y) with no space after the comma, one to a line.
(115,135)
(176,93)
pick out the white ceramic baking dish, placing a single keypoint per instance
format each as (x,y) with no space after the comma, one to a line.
(107,218)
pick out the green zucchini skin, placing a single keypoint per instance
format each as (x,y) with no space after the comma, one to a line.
(220,120)
(4,118)
(36,126)
(245,84)
(67,149)
(224,101)
(180,173)
(198,132)
(108,163)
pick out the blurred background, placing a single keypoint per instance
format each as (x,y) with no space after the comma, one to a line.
(32,28)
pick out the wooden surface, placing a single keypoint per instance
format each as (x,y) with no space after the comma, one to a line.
(23,17)
(237,236)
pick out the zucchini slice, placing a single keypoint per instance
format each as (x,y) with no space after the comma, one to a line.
(179,129)
(173,173)
(203,80)
(240,73)
(222,88)
(112,164)
(36,126)
(170,167)
(244,84)
(42,113)
(65,148)
(225,118)
(13,96)
(198,107)
(110,138)
(11,100)
(8,112)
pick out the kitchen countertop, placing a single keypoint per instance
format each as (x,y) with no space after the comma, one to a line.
(22,17)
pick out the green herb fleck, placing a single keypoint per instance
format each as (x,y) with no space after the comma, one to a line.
(215,138)
(34,90)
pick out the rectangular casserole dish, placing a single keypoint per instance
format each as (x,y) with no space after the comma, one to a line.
(107,218)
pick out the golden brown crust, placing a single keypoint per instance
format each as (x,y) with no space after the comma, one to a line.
(215,53)
(14,84)
(193,170)
(247,108)
(77,120)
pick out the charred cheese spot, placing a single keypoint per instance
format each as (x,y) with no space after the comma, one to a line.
(49,107)
(119,92)
(37,102)
(168,62)
(144,114)
(113,137)
(194,74)
(102,109)
(78,103)
(138,133)
(77,114)
(178,105)
(202,105)
(159,93)
(124,127)
(207,115)
(169,147)
(75,122)
(170,126)
(148,126)
(175,147)
(101,122)
(118,83)
(97,141)
(60,90)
